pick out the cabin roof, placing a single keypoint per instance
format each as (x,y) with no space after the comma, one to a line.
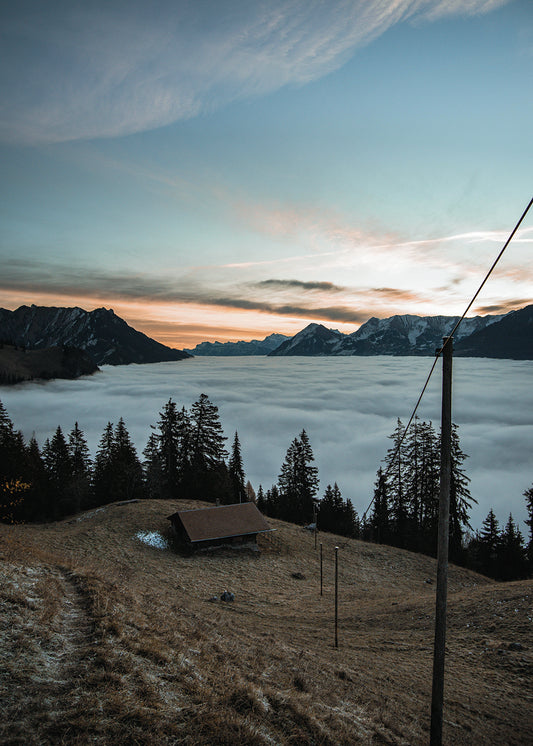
(221,522)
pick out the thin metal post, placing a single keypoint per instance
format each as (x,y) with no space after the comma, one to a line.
(321,575)
(439,653)
(336,595)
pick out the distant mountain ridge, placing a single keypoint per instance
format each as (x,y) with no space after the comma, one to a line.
(107,338)
(253,347)
(17,364)
(499,336)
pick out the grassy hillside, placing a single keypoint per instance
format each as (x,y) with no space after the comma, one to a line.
(105,638)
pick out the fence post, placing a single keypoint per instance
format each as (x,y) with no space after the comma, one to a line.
(321,574)
(336,595)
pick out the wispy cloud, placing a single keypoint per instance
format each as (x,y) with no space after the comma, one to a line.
(327,287)
(356,307)
(73,71)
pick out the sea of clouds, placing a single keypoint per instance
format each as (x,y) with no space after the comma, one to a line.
(347,405)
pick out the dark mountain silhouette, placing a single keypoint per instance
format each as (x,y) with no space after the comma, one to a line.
(105,337)
(512,337)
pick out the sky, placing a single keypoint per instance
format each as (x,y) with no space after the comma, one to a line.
(227,169)
(347,405)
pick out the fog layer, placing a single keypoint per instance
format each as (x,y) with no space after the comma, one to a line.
(348,407)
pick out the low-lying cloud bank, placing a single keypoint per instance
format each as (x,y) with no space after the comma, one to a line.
(348,406)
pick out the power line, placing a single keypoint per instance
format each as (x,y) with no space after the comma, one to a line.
(449,336)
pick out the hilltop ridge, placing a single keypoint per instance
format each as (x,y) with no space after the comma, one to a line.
(126,627)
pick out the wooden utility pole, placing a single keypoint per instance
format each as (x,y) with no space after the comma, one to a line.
(439,651)
(321,574)
(336,594)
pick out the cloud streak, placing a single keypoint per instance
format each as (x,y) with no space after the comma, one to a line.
(327,287)
(73,71)
(359,303)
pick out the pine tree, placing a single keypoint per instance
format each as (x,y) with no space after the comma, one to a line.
(460,498)
(429,457)
(207,438)
(36,500)
(487,544)
(207,476)
(512,562)
(236,472)
(273,502)
(12,449)
(153,469)
(58,465)
(103,468)
(399,508)
(298,482)
(81,468)
(528,494)
(127,482)
(380,519)
(173,450)
(261,500)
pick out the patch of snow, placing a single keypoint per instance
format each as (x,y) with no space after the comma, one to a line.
(152,538)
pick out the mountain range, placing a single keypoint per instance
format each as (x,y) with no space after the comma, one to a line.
(254,347)
(105,337)
(507,336)
(109,340)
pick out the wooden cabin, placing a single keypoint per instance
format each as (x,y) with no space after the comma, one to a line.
(223,525)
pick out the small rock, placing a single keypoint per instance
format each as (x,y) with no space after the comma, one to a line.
(515,646)
(213,599)
(298,576)
(227,596)
(428,580)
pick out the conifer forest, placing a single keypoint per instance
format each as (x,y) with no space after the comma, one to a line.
(186,457)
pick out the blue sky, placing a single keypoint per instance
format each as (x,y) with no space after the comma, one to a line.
(223,170)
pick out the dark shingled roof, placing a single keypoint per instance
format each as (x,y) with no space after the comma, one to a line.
(221,522)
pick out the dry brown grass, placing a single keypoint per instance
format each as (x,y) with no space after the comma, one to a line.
(105,639)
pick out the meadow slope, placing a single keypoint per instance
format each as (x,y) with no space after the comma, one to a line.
(107,639)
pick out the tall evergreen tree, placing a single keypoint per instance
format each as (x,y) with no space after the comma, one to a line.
(58,465)
(127,483)
(173,451)
(207,438)
(298,482)
(487,545)
(153,468)
(103,468)
(12,449)
(261,500)
(399,507)
(460,498)
(429,459)
(236,472)
(81,468)
(380,518)
(36,499)
(207,476)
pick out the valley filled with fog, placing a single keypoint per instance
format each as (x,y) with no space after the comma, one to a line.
(347,405)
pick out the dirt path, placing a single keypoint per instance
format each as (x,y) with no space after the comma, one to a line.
(47,637)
